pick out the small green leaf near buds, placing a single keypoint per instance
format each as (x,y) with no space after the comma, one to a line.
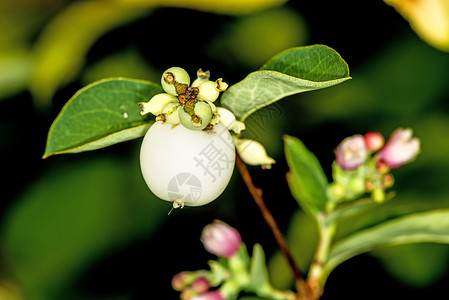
(156,104)
(253,153)
(227,118)
(174,80)
(208,91)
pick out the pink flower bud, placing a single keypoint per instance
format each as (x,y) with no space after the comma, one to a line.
(221,239)
(179,281)
(351,153)
(200,285)
(374,141)
(210,295)
(401,148)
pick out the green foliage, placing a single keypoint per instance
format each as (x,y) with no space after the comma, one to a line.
(101,114)
(290,72)
(258,272)
(432,226)
(307,180)
(106,112)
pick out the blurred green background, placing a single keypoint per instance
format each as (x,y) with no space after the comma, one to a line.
(85,226)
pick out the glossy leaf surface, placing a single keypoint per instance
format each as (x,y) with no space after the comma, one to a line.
(101,114)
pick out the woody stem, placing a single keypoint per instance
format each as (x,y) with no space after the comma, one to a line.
(256,193)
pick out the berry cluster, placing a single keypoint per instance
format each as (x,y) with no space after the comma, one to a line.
(189,105)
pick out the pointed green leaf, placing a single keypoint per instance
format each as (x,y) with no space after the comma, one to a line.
(103,113)
(431,226)
(350,209)
(306,179)
(259,272)
(290,72)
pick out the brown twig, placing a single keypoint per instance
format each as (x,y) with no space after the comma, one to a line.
(256,193)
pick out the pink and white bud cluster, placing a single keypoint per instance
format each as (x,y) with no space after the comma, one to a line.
(401,148)
(221,239)
(195,286)
(209,295)
(352,152)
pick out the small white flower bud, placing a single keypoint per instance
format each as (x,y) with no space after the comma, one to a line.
(171,113)
(227,118)
(202,77)
(351,152)
(208,91)
(253,153)
(156,104)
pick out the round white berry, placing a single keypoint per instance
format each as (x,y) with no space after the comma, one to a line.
(187,167)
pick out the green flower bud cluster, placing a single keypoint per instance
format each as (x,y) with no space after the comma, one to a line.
(189,105)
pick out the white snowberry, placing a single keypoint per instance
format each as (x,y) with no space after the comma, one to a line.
(187,167)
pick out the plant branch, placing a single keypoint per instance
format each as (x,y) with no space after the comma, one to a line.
(256,193)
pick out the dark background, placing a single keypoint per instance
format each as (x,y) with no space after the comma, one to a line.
(85,226)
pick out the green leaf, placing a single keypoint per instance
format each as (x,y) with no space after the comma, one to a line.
(306,179)
(431,226)
(101,114)
(351,209)
(290,72)
(259,272)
